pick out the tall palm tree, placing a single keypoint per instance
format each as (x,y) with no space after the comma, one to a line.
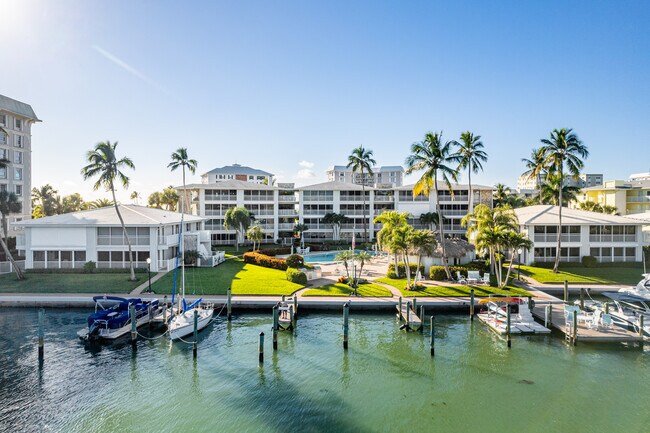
(100,203)
(551,191)
(9,204)
(255,235)
(563,151)
(238,219)
(335,220)
(46,197)
(299,230)
(431,219)
(434,157)
(180,159)
(360,160)
(514,241)
(103,163)
(401,243)
(500,194)
(135,196)
(472,155)
(390,220)
(536,168)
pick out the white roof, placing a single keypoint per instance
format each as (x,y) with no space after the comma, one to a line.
(548,215)
(443,186)
(17,107)
(643,217)
(133,216)
(238,169)
(335,186)
(228,184)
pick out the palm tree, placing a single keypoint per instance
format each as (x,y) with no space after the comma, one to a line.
(550,191)
(401,243)
(100,203)
(363,257)
(514,242)
(500,194)
(390,220)
(335,220)
(563,150)
(9,204)
(434,157)
(45,197)
(180,159)
(135,196)
(361,160)
(255,234)
(298,231)
(422,243)
(431,219)
(103,162)
(472,155)
(238,219)
(536,166)
(345,257)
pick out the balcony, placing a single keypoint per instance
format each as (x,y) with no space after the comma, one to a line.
(285,226)
(638,199)
(167,240)
(447,213)
(20,242)
(384,199)
(612,238)
(287,198)
(287,212)
(552,237)
(455,198)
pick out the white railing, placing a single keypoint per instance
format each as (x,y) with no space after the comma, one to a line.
(7,267)
(453,212)
(384,199)
(287,198)
(612,238)
(168,240)
(289,212)
(285,226)
(211,261)
(552,237)
(20,241)
(166,264)
(204,236)
(355,212)
(447,198)
(552,259)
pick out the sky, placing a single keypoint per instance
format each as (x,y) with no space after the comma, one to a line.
(292,87)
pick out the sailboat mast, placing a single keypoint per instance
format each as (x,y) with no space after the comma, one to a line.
(183,237)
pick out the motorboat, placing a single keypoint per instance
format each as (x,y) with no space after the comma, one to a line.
(521,319)
(627,309)
(112,316)
(285,315)
(642,289)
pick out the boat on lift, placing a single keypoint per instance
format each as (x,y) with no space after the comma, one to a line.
(642,289)
(626,310)
(521,319)
(112,317)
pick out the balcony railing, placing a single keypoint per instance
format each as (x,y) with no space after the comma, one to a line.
(552,259)
(384,199)
(552,237)
(168,240)
(453,212)
(638,199)
(285,226)
(612,238)
(455,198)
(286,198)
(290,212)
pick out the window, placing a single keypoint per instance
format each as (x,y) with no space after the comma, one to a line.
(18,157)
(18,124)
(3,186)
(4,154)
(18,174)
(3,173)
(3,138)
(19,190)
(3,119)
(19,141)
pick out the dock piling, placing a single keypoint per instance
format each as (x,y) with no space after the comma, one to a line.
(260,348)
(415,305)
(508,340)
(276,325)
(134,324)
(196,333)
(471,304)
(295,306)
(566,291)
(641,327)
(229,304)
(346,317)
(606,307)
(408,316)
(432,344)
(548,311)
(41,335)
(291,318)
(575,327)
(399,313)
(421,318)
(165,313)
(582,298)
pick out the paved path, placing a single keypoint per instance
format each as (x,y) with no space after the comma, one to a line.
(144,286)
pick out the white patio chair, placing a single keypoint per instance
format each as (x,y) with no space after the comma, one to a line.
(460,278)
(486,279)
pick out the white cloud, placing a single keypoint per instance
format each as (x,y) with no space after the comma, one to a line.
(306,164)
(305,173)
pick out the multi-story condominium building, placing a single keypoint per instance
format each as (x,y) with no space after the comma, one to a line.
(70,240)
(382,177)
(530,187)
(629,197)
(608,238)
(237,172)
(16,119)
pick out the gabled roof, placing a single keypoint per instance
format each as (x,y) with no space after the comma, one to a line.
(335,186)
(238,169)
(547,215)
(228,184)
(133,216)
(17,107)
(643,217)
(443,186)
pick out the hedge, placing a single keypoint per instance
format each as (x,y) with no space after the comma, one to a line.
(296,276)
(402,270)
(438,272)
(85,271)
(589,262)
(295,261)
(256,258)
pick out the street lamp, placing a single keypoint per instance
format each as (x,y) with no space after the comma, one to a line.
(519,265)
(149,269)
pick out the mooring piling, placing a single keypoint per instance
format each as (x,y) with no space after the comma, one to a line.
(566,291)
(433,339)
(408,316)
(41,335)
(134,325)
(582,298)
(260,348)
(641,327)
(229,304)
(295,306)
(196,332)
(165,313)
(575,327)
(422,318)
(399,312)
(548,311)
(471,304)
(415,305)
(508,339)
(276,325)
(346,317)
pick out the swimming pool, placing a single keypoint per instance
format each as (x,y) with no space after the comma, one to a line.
(328,257)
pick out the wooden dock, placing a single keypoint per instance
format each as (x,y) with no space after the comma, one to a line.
(406,313)
(614,334)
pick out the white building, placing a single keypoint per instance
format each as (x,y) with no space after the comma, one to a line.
(237,172)
(529,187)
(382,177)
(609,238)
(644,218)
(16,120)
(70,240)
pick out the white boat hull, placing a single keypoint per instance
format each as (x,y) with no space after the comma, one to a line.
(183,325)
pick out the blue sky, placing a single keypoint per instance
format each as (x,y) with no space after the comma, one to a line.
(292,87)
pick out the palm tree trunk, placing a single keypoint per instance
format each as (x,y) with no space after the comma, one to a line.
(512,259)
(471,197)
(407,268)
(441,224)
(126,235)
(556,266)
(183,196)
(365,229)
(17,270)
(539,186)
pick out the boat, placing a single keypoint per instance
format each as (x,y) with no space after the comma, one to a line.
(181,322)
(521,319)
(626,309)
(285,315)
(112,316)
(642,289)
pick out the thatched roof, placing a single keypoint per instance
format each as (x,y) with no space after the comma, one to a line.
(455,248)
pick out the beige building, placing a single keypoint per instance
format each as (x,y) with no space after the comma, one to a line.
(16,120)
(629,197)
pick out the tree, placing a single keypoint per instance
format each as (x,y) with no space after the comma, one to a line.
(514,241)
(299,230)
(237,219)
(155,200)
(135,196)
(595,207)
(71,203)
(401,243)
(360,160)
(255,234)
(431,219)
(335,220)
(45,197)
(500,194)
(422,243)
(169,198)
(9,204)
(537,168)
(390,220)
(472,155)
(103,163)
(563,150)
(345,257)
(100,203)
(181,160)
(362,257)
(434,157)
(550,191)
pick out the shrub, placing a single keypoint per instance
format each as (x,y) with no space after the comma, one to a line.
(296,276)
(438,272)
(391,274)
(89,267)
(295,261)
(256,258)
(84,271)
(589,261)
(343,280)
(402,269)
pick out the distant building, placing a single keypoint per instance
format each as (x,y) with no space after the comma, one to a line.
(237,172)
(16,119)
(530,187)
(382,177)
(629,197)
(640,176)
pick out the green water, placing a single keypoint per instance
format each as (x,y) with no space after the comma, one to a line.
(386,381)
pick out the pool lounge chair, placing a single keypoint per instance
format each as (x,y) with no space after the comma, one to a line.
(473,277)
(486,279)
(460,278)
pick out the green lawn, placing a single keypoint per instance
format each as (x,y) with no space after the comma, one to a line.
(70,283)
(245,279)
(579,274)
(340,289)
(452,290)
